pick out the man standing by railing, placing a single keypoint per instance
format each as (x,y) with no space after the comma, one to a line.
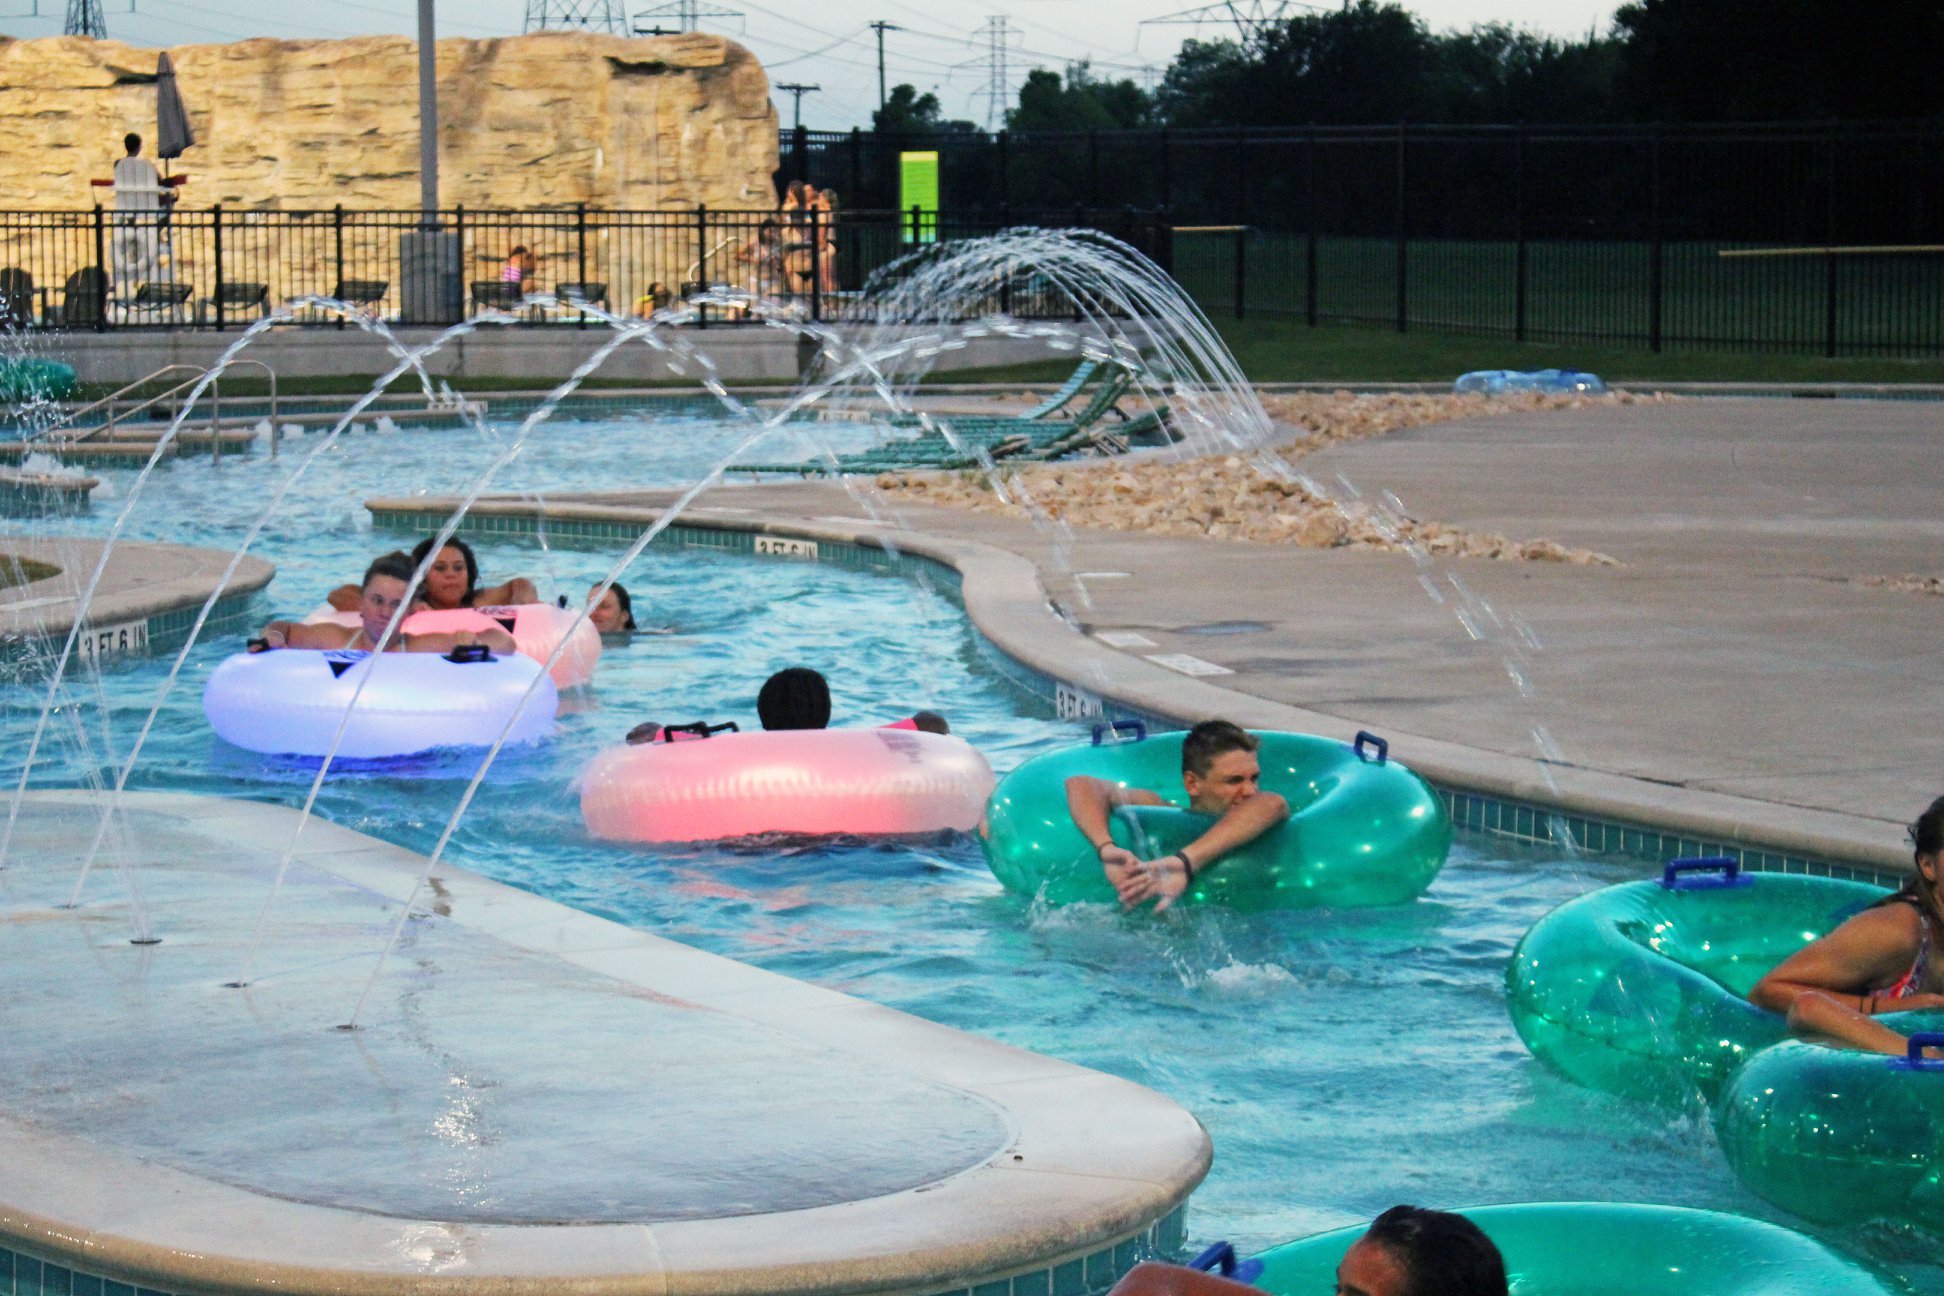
(141,212)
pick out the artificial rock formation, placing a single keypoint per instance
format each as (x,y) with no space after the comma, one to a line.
(545,120)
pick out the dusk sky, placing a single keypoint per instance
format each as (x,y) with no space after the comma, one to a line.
(944,47)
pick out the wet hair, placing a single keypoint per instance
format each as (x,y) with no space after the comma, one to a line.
(626,603)
(1927,833)
(1442,1254)
(132,142)
(930,722)
(394,564)
(424,547)
(796,698)
(519,249)
(1212,738)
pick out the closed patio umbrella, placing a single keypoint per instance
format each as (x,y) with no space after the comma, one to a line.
(172,133)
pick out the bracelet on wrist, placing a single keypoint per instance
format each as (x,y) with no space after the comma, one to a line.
(1187,865)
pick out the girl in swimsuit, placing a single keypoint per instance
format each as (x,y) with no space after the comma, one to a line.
(1882,960)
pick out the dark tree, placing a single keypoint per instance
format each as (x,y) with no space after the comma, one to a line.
(1080,102)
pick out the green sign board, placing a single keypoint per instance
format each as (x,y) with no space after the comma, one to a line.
(918,187)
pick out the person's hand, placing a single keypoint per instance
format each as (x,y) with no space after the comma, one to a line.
(463,639)
(271,638)
(645,732)
(1137,881)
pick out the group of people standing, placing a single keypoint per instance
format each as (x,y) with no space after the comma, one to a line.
(795,251)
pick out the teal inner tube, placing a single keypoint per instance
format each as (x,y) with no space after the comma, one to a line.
(1362,830)
(1640,989)
(1841,1136)
(29,378)
(1613,1249)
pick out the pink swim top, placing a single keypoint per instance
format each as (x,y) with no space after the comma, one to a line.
(1911,980)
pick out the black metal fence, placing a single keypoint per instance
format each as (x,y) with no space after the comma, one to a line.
(223,268)
(1800,237)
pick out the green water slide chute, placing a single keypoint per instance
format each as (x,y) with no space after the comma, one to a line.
(1363,829)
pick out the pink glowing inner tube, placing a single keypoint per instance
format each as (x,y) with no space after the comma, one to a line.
(868,782)
(537,628)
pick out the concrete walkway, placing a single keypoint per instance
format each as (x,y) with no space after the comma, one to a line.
(1733,676)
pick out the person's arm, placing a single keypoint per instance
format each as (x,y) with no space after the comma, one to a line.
(1091,800)
(296,634)
(517,590)
(344,598)
(1829,1016)
(1872,949)
(1164,879)
(445,641)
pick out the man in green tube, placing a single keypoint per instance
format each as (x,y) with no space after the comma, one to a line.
(1223,778)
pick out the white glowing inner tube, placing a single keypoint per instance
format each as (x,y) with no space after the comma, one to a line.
(812,781)
(292,700)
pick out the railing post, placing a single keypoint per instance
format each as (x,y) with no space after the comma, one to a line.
(800,152)
(915,212)
(1167,170)
(1241,177)
(101,264)
(1403,241)
(216,242)
(465,263)
(702,259)
(1005,168)
(337,225)
(1309,249)
(1519,236)
(1655,251)
(856,195)
(816,265)
(1093,168)
(1241,264)
(580,256)
(1829,240)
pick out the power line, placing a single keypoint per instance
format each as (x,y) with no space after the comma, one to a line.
(1249,16)
(587,15)
(998,91)
(687,14)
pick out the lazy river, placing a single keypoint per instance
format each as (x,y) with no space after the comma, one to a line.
(1342,1061)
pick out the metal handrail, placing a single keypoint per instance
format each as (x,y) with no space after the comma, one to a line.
(197,374)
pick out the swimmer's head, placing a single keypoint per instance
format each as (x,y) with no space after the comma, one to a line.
(930,722)
(797,698)
(453,575)
(1219,766)
(614,613)
(1410,1251)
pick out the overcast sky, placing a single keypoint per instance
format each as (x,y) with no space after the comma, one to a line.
(944,47)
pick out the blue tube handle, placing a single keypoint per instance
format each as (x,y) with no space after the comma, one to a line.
(1222,1256)
(1120,726)
(1728,867)
(1382,746)
(1914,1059)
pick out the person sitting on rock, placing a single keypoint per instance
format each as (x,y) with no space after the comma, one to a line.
(1223,779)
(385,583)
(1889,958)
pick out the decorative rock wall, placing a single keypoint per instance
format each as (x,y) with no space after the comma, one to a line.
(545,120)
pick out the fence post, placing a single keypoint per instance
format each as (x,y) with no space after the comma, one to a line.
(1167,171)
(1403,244)
(816,266)
(1241,264)
(101,264)
(1655,251)
(916,212)
(1309,250)
(1005,168)
(856,195)
(800,151)
(337,225)
(1829,240)
(580,255)
(216,242)
(1093,168)
(702,260)
(465,262)
(1519,234)
(1241,177)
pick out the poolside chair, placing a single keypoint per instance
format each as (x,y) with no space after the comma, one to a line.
(16,298)
(361,292)
(234,296)
(496,294)
(1053,404)
(160,300)
(84,299)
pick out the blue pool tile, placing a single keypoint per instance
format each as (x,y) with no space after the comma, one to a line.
(87,1285)
(1000,1288)
(1126,1255)
(1101,1273)
(1070,1279)
(27,1276)
(1037,1283)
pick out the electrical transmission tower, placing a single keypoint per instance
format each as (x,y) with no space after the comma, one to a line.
(587,15)
(1249,16)
(998,93)
(84,19)
(684,15)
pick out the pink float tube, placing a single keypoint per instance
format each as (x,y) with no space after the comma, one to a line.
(537,628)
(869,782)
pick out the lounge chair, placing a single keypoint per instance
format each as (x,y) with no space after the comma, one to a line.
(1059,400)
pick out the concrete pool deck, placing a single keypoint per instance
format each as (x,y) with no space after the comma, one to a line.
(1732,679)
(535,1100)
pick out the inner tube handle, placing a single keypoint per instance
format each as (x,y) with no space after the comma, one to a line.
(1222,1256)
(1914,1059)
(1135,727)
(697,729)
(465,653)
(1726,865)
(256,645)
(1365,736)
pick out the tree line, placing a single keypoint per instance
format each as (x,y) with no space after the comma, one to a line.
(1371,62)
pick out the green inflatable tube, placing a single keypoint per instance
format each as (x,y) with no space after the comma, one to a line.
(1362,830)
(1841,1136)
(1610,1249)
(1639,989)
(30,378)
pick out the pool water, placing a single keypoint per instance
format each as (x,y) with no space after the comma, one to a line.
(1342,1061)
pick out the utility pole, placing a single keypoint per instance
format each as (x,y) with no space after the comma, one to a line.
(799,90)
(881,27)
(84,19)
